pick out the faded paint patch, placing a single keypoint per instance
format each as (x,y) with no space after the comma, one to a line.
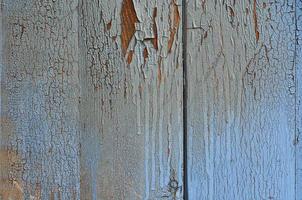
(129,18)
(10,186)
(7,129)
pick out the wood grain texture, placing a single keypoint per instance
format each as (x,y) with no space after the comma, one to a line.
(241,99)
(91,99)
(131,100)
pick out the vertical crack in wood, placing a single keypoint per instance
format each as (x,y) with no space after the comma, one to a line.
(256,21)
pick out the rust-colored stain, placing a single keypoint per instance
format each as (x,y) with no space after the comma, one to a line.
(175,18)
(10,165)
(256,20)
(145,54)
(129,18)
(159,74)
(52,195)
(37,191)
(8,128)
(155,39)
(232,13)
(130,56)
(10,188)
(109,25)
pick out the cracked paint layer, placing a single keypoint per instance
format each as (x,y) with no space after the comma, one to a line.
(241,99)
(130,122)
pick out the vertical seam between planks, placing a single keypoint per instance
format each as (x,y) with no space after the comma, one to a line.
(80,95)
(185,97)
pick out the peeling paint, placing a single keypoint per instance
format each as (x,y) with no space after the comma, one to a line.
(255,17)
(128,21)
(130,56)
(155,39)
(174,24)
(94,95)
(145,54)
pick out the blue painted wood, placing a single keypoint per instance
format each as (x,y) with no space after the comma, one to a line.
(298,64)
(242,99)
(91,99)
(131,99)
(39,100)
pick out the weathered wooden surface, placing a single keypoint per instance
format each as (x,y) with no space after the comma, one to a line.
(242,114)
(298,64)
(39,100)
(131,99)
(91,99)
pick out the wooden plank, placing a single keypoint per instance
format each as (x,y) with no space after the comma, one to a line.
(241,99)
(298,64)
(91,99)
(39,156)
(131,99)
